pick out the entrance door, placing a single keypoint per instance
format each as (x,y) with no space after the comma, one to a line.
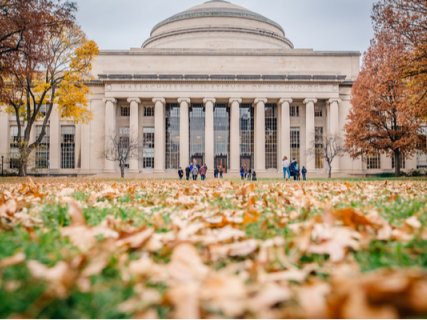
(246,163)
(221,161)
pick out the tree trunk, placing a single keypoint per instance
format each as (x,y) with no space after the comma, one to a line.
(23,162)
(397,161)
(122,171)
(23,167)
(330,171)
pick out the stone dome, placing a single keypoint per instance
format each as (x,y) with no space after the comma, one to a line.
(218,24)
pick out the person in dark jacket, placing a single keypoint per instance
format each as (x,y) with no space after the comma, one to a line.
(254,178)
(242,173)
(187,173)
(304,173)
(180,173)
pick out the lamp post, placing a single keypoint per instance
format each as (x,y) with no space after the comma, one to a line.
(2,166)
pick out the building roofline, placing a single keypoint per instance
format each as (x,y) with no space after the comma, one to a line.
(227,52)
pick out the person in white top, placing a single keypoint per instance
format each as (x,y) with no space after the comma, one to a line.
(286,164)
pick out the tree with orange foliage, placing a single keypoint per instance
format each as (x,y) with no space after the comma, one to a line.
(407,20)
(47,71)
(383,118)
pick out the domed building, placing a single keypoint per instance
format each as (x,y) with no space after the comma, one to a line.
(215,84)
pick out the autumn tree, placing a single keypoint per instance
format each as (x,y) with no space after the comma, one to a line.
(382,118)
(120,150)
(20,19)
(407,20)
(329,148)
(47,71)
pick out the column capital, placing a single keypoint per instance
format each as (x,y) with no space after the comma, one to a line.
(112,100)
(285,100)
(258,100)
(162,100)
(332,100)
(181,100)
(238,100)
(206,100)
(308,100)
(137,100)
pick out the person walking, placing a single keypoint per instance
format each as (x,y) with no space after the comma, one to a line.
(180,173)
(203,171)
(221,172)
(254,177)
(187,173)
(216,172)
(297,171)
(195,172)
(286,170)
(304,173)
(242,173)
(249,175)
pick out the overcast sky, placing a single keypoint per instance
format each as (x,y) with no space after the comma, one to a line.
(317,24)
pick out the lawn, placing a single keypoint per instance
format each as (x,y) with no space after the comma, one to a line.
(221,249)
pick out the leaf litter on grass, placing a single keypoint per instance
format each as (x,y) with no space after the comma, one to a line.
(215,249)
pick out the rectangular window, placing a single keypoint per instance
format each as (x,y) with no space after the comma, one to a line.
(172,135)
(222,136)
(14,149)
(318,111)
(68,147)
(402,162)
(373,161)
(125,111)
(246,136)
(42,150)
(148,111)
(270,136)
(294,111)
(295,144)
(148,148)
(197,133)
(319,148)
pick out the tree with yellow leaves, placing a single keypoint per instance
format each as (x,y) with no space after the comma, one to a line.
(48,71)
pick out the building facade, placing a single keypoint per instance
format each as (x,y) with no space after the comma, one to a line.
(217,84)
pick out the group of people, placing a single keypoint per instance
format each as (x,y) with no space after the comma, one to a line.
(292,170)
(246,174)
(194,170)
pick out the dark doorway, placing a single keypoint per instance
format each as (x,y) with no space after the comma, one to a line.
(221,161)
(246,162)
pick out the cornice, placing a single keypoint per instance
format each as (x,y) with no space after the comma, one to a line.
(228,52)
(222,77)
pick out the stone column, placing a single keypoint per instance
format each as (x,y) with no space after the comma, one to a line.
(334,129)
(4,134)
(235,134)
(209,132)
(184,132)
(285,128)
(159,135)
(55,140)
(309,134)
(260,134)
(110,131)
(134,133)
